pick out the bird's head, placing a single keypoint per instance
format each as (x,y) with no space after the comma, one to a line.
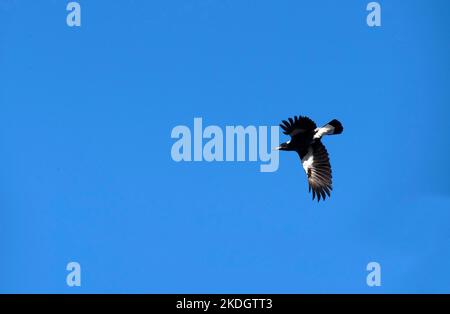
(283,146)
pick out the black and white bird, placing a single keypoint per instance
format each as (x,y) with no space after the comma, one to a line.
(306,141)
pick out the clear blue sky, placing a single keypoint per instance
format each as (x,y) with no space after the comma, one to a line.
(86,173)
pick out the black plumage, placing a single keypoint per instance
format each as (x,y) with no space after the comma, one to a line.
(306,141)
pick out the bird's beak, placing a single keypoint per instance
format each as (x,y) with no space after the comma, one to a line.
(281,147)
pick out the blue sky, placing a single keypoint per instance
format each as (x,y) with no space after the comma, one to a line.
(86,173)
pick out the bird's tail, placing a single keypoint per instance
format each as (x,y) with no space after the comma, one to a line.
(335,127)
(331,128)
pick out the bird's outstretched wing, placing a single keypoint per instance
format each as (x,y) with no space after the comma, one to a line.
(317,167)
(297,125)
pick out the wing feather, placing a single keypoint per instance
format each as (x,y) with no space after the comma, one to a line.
(316,164)
(297,125)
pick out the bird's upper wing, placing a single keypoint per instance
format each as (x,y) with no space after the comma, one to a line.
(317,167)
(297,125)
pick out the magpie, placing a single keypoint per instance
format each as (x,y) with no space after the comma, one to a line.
(306,141)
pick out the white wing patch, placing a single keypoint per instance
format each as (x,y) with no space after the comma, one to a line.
(307,161)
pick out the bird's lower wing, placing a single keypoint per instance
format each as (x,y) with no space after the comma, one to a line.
(316,164)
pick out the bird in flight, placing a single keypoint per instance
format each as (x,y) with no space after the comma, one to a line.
(306,141)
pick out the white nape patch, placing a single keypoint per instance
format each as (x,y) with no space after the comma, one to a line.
(308,160)
(325,130)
